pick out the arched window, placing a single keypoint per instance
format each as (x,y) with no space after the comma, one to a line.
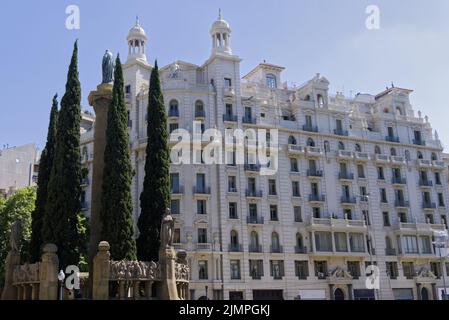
(234,238)
(341,145)
(434,156)
(358,148)
(377,150)
(173,108)
(310,142)
(291,140)
(407,155)
(307,98)
(254,239)
(299,241)
(199,109)
(275,245)
(339,294)
(419,155)
(327,147)
(320,100)
(399,111)
(393,152)
(271,81)
(85,155)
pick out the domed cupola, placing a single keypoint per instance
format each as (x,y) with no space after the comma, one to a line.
(221,36)
(137,39)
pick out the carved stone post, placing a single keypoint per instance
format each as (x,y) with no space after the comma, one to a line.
(48,273)
(167,259)
(100,285)
(12,260)
(100,101)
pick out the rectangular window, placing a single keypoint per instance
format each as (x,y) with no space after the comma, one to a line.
(235,270)
(302,269)
(341,242)
(256,269)
(408,269)
(316,212)
(202,270)
(295,189)
(202,235)
(354,269)
(201,207)
(174,183)
(441,200)
(252,185)
(314,189)
(293,165)
(360,171)
(177,236)
(173,127)
(435,267)
(339,125)
(426,245)
(323,241)
(229,109)
(253,210)
(174,206)
(402,216)
(386,219)
(277,269)
(232,186)
(228,82)
(410,244)
(380,173)
(308,121)
(297,213)
(233,210)
(437,178)
(357,242)
(392,269)
(320,269)
(383,195)
(272,187)
(201,182)
(274,213)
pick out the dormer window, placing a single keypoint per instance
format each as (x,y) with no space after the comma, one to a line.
(271,81)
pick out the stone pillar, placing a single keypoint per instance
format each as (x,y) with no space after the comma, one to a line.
(48,273)
(167,259)
(12,260)
(100,278)
(331,292)
(350,295)
(100,101)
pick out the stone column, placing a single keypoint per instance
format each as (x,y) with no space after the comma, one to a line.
(48,273)
(10,291)
(167,259)
(100,101)
(100,278)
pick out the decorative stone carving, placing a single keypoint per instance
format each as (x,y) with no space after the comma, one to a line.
(26,273)
(108,67)
(134,270)
(174,71)
(167,230)
(16,236)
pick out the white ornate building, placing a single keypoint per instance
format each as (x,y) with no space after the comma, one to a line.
(361,181)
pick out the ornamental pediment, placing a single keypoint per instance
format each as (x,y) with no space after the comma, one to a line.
(339,275)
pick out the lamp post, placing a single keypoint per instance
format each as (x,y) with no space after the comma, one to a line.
(441,241)
(61,277)
(207,298)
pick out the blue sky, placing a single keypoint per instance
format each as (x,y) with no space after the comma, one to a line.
(305,36)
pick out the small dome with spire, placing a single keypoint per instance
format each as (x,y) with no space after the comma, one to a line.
(137,32)
(220,24)
(221,36)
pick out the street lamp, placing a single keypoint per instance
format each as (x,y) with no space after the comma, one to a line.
(441,241)
(61,277)
(207,298)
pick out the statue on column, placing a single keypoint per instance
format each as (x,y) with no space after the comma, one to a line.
(16,236)
(167,230)
(108,67)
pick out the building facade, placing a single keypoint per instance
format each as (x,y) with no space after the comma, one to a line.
(360,181)
(18,168)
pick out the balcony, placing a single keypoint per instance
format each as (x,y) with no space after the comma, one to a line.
(362,156)
(424,163)
(398,159)
(254,220)
(315,173)
(314,151)
(294,149)
(429,205)
(317,198)
(235,248)
(204,246)
(390,251)
(228,91)
(177,190)
(382,158)
(364,198)
(419,142)
(438,164)
(422,227)
(200,114)
(329,224)
(310,128)
(230,118)
(392,139)
(253,193)
(201,190)
(345,176)
(255,248)
(425,183)
(401,204)
(276,249)
(174,113)
(301,250)
(252,167)
(344,154)
(348,200)
(249,120)
(341,132)
(398,180)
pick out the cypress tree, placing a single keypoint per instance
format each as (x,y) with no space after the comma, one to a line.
(155,197)
(116,208)
(45,165)
(64,188)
